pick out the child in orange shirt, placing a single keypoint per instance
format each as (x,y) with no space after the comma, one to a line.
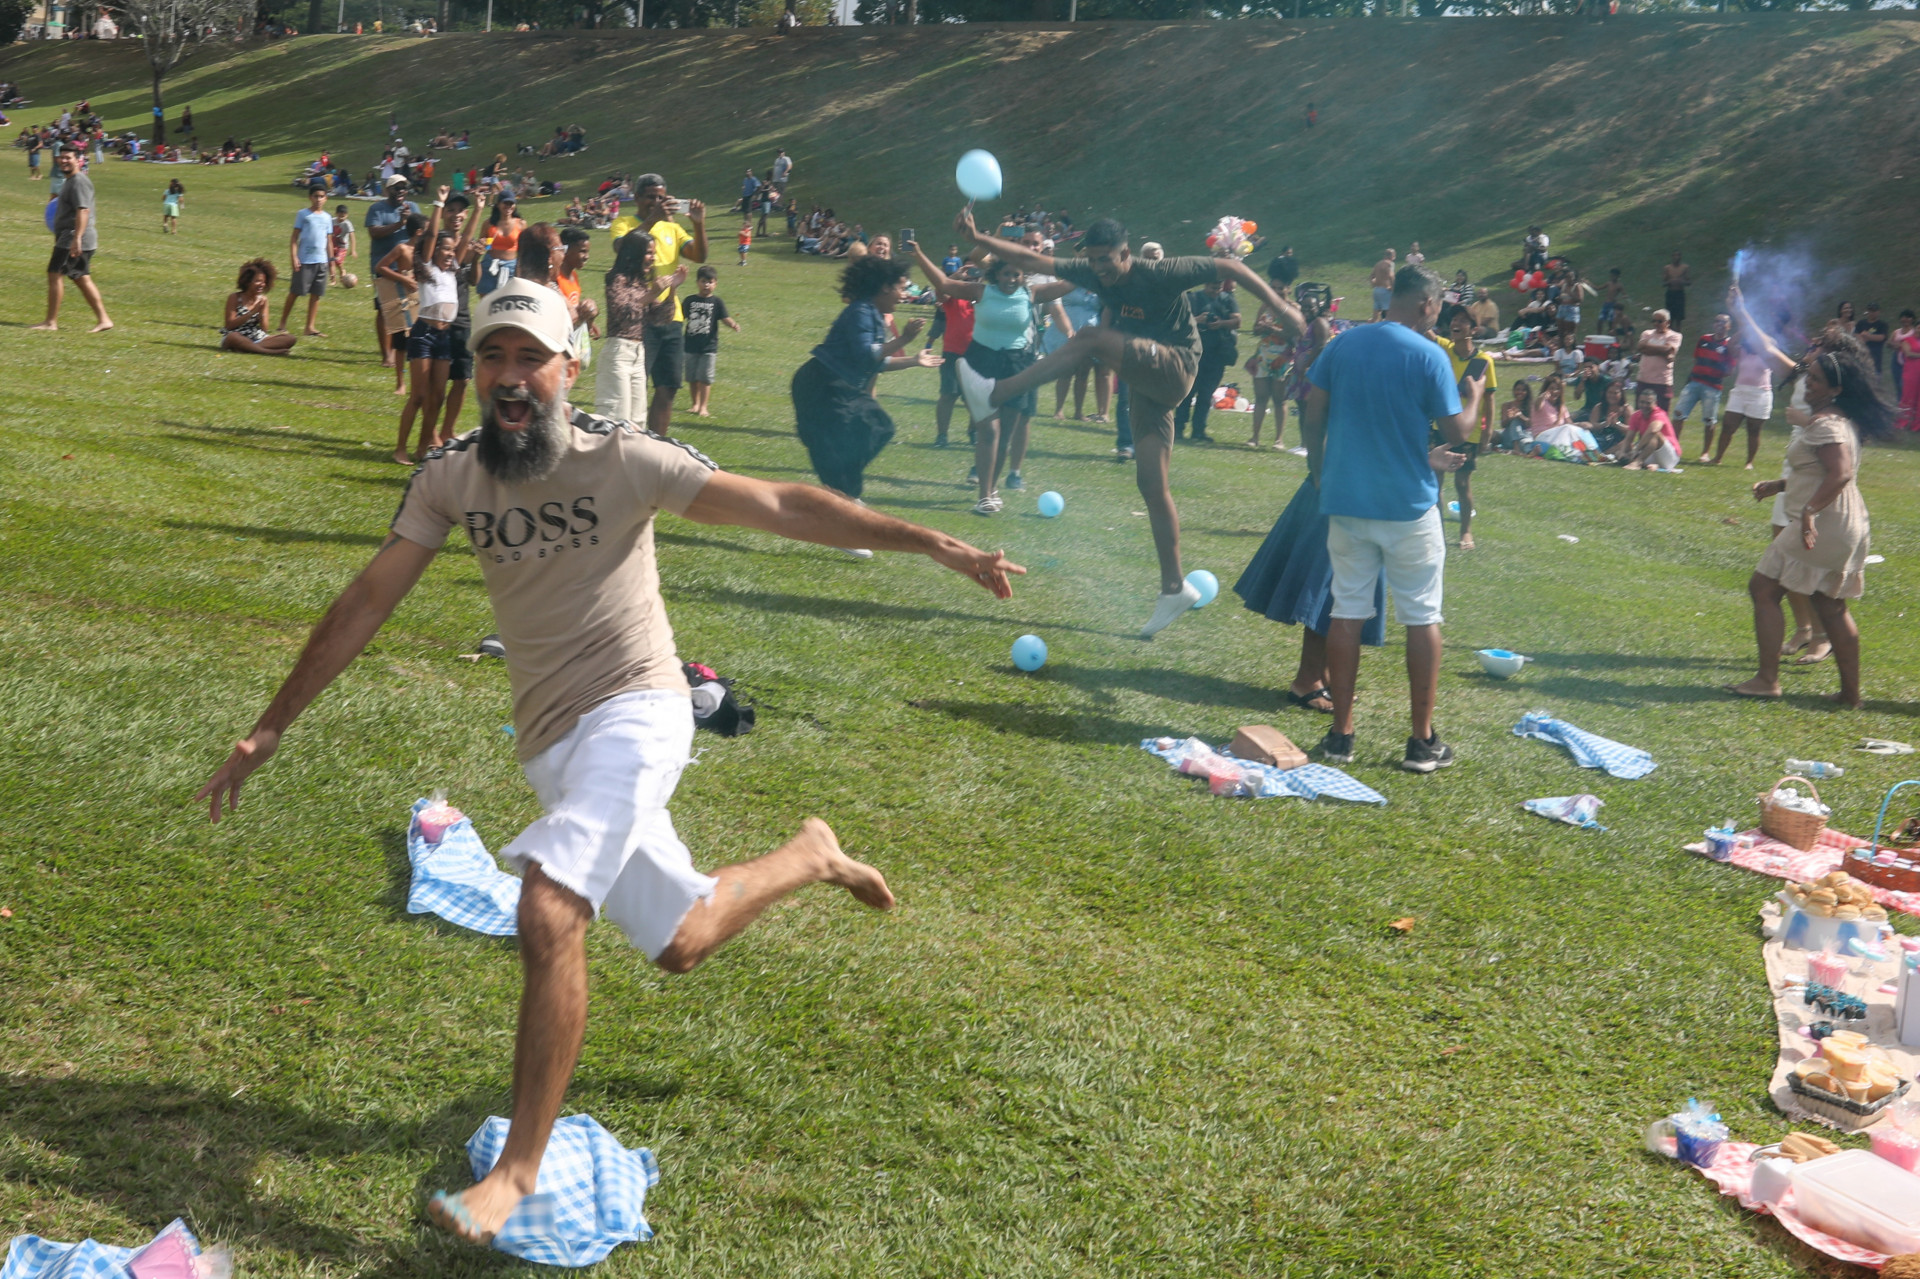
(746,240)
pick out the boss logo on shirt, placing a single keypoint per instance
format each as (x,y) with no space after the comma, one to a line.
(554,522)
(1132,312)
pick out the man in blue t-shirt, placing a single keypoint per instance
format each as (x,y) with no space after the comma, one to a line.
(309,247)
(1371,398)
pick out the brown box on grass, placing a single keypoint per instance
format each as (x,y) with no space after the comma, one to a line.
(1267,745)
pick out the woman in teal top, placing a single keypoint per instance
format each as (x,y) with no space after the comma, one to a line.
(1003,344)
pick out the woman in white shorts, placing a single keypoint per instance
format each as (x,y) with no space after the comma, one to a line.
(1750,402)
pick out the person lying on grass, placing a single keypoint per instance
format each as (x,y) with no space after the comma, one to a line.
(245,325)
(558,506)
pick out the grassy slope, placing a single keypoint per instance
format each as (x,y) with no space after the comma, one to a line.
(1117,1028)
(1627,139)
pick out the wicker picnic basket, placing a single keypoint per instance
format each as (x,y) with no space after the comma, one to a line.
(1840,1110)
(1801,830)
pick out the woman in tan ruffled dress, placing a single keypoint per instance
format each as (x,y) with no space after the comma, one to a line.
(1822,551)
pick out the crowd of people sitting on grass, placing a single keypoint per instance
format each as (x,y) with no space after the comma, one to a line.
(571,140)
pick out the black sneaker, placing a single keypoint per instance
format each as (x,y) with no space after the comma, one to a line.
(1336,748)
(1424,757)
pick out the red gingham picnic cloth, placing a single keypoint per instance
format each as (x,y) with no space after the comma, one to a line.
(1732,1171)
(1769,856)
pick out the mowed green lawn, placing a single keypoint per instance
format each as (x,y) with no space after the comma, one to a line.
(1116,1027)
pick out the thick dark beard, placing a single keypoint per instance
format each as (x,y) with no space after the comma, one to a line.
(528,455)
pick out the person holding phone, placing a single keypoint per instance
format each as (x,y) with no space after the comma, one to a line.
(1468,361)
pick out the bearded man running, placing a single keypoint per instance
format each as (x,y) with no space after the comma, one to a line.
(558,506)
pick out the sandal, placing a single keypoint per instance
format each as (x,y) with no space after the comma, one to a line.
(1818,651)
(1309,701)
(1801,637)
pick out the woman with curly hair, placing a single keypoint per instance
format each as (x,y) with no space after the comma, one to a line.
(245,328)
(844,427)
(1822,549)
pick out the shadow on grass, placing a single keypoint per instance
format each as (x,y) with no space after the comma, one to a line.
(279,535)
(245,437)
(710,543)
(138,1148)
(833,610)
(1176,686)
(1054,726)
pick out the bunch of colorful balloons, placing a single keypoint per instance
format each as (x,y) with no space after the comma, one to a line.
(1233,236)
(1524,280)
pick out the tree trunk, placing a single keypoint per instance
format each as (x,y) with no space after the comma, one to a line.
(913,11)
(443,16)
(159,112)
(316,14)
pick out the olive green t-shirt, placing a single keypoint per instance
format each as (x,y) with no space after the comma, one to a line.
(1151,302)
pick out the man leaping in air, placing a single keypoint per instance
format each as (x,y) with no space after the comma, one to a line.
(558,505)
(1154,346)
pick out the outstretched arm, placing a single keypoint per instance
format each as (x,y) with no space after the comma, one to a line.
(808,514)
(1781,361)
(1006,250)
(1287,316)
(349,625)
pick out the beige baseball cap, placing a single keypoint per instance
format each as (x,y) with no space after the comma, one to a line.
(532,308)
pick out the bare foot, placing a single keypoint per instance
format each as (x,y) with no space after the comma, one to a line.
(1749,466)
(1705,459)
(1632,466)
(399,390)
(315,333)
(863,881)
(1816,652)
(101,327)
(476,1213)
(1754,687)
(48,327)
(400,456)
(1841,699)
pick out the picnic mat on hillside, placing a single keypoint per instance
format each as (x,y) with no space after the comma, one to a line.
(1791,1012)
(1768,856)
(589,1196)
(1732,1171)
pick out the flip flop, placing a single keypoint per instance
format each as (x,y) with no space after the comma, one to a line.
(1737,691)
(450,1214)
(1305,701)
(1880,746)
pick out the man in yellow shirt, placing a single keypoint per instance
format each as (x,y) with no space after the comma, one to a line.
(1463,354)
(665,337)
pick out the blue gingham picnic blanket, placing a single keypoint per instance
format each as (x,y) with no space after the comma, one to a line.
(458,880)
(31,1257)
(1309,781)
(588,1198)
(1589,750)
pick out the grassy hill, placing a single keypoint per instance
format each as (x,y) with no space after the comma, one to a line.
(1626,139)
(1118,1027)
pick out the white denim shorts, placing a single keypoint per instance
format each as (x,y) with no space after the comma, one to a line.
(1755,402)
(1412,554)
(607,835)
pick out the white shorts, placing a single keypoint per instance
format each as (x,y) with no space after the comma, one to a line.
(607,835)
(1755,402)
(1411,553)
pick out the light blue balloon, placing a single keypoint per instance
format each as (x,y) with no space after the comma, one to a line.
(978,175)
(1029,652)
(53,206)
(1206,583)
(1051,504)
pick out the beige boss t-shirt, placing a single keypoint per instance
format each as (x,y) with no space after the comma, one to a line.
(568,562)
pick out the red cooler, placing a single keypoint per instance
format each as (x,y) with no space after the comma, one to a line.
(1599,347)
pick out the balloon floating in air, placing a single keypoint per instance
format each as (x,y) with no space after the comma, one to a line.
(978,175)
(1029,652)
(1051,504)
(1206,583)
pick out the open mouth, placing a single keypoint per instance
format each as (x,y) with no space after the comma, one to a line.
(512,413)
